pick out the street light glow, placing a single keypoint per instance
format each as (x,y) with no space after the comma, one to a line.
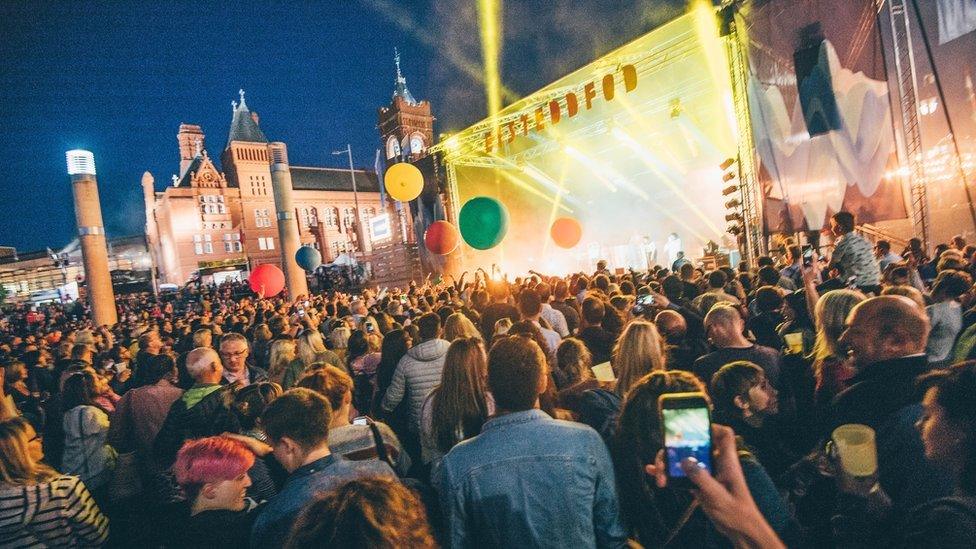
(80,161)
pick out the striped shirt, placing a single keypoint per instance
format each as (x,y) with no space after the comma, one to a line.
(56,513)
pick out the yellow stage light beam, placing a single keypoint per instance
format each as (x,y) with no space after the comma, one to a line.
(530,189)
(555,208)
(489,16)
(591,165)
(398,16)
(655,166)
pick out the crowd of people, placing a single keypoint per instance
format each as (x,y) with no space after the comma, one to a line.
(492,412)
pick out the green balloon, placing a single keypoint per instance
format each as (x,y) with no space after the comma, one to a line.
(483,222)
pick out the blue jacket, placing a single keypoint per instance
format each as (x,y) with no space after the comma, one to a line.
(275,521)
(530,481)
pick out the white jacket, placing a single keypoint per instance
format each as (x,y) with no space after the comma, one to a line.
(418,372)
(86,452)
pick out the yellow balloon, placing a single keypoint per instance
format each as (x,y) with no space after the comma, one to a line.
(403,181)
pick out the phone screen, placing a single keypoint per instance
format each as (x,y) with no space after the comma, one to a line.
(646,300)
(361,420)
(687,433)
(808,255)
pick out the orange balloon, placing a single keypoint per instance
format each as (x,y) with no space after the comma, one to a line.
(566,232)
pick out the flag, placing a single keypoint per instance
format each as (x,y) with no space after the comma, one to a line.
(378,166)
(956,18)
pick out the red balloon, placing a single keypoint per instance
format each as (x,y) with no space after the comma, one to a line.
(566,232)
(267,280)
(441,238)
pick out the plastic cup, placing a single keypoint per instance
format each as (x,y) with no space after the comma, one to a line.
(794,342)
(603,372)
(857,449)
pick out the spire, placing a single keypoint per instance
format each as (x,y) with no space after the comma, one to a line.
(401,82)
(243,126)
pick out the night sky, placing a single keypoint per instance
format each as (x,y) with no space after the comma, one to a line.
(119,77)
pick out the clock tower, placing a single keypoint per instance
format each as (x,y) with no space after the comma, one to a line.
(406,125)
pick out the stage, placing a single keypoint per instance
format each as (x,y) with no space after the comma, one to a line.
(629,146)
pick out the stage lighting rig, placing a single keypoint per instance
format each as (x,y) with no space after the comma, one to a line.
(735,214)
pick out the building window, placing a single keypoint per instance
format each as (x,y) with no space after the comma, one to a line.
(348,216)
(340,246)
(266,243)
(310,217)
(369,212)
(331,217)
(262,217)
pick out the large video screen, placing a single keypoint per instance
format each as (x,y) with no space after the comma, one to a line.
(629,146)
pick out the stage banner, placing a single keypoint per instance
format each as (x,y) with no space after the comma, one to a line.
(821,117)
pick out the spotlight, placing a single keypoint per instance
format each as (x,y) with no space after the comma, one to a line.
(729,190)
(727,164)
(676,108)
(734,230)
(734,217)
(734,203)
(728,176)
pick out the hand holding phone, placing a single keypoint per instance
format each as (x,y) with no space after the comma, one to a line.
(687,427)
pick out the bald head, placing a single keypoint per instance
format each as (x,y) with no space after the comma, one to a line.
(203,365)
(885,327)
(671,325)
(724,326)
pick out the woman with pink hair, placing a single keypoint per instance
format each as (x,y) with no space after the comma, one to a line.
(212,472)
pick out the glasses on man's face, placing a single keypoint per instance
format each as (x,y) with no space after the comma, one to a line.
(37,436)
(237,354)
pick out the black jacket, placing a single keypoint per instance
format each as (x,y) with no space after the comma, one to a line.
(883,396)
(209,417)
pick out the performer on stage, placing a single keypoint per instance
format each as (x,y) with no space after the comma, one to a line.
(672,247)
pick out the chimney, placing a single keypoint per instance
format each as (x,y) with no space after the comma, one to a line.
(188,137)
(256,118)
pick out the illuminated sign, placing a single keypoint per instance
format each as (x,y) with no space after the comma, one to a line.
(551,112)
(379,227)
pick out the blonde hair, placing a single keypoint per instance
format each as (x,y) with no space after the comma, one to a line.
(458,325)
(831,315)
(638,352)
(16,466)
(281,354)
(309,347)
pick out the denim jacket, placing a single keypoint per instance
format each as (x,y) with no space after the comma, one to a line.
(275,521)
(530,481)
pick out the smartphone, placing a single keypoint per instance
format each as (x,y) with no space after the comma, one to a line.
(687,426)
(646,300)
(361,420)
(369,327)
(807,255)
(404,299)
(301,311)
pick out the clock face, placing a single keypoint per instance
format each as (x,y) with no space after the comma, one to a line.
(392,148)
(416,144)
(208,176)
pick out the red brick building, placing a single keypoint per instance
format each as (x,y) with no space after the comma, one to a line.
(220,221)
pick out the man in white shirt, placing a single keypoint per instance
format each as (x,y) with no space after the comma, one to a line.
(530,308)
(556,319)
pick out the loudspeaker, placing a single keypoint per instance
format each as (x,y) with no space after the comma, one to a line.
(815,88)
